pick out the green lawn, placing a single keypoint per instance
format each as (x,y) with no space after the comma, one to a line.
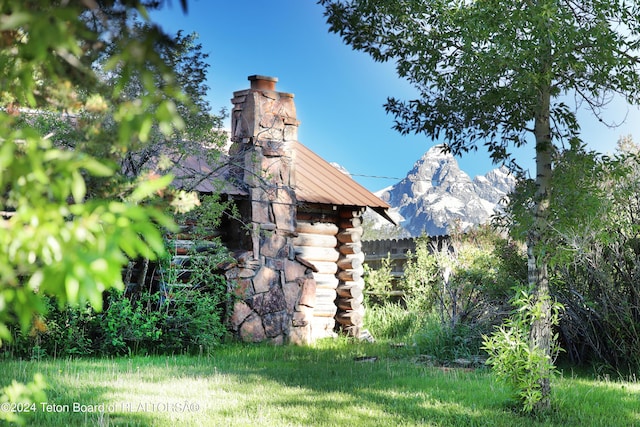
(245,385)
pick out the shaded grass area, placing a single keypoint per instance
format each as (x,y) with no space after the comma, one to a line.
(258,385)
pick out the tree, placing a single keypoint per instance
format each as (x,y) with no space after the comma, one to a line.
(179,56)
(201,135)
(498,73)
(593,216)
(54,239)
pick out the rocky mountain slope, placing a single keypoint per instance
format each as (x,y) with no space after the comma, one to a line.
(436,193)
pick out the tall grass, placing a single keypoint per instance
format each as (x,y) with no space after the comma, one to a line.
(392,321)
(425,332)
(323,385)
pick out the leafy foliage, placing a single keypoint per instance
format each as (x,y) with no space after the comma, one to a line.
(512,357)
(496,73)
(578,204)
(470,275)
(61,234)
(23,396)
(480,73)
(421,276)
(594,231)
(452,296)
(189,321)
(74,251)
(594,259)
(378,282)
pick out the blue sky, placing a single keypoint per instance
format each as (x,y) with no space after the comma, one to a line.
(339,92)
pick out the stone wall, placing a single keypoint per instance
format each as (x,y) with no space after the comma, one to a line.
(274,289)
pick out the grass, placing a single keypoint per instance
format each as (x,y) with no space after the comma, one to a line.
(258,385)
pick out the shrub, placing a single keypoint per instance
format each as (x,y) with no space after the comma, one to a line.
(512,358)
(129,326)
(378,283)
(593,249)
(62,331)
(444,343)
(452,297)
(421,277)
(468,282)
(193,311)
(190,321)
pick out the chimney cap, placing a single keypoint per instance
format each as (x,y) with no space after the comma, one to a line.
(259,82)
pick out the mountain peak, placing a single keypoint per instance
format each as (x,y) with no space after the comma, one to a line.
(438,150)
(436,156)
(436,193)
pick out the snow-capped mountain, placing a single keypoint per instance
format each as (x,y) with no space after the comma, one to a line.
(436,193)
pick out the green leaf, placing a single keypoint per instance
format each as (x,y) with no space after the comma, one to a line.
(14,20)
(72,288)
(78,187)
(168,117)
(154,239)
(96,167)
(5,334)
(145,128)
(149,187)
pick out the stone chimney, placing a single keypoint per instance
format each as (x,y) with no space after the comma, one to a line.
(274,288)
(263,127)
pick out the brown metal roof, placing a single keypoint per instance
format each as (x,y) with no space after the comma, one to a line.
(317,181)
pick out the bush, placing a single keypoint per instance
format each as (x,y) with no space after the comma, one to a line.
(452,297)
(421,277)
(128,326)
(512,358)
(61,332)
(445,344)
(191,321)
(594,252)
(468,282)
(378,283)
(178,317)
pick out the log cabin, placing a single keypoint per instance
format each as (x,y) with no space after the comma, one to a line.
(298,275)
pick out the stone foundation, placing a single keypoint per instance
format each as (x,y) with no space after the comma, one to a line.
(273,300)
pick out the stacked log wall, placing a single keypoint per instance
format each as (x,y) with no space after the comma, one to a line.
(316,242)
(350,290)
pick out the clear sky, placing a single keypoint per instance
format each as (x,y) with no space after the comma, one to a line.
(339,92)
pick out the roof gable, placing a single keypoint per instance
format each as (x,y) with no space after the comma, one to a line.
(317,181)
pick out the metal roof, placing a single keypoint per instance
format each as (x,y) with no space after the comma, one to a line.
(317,181)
